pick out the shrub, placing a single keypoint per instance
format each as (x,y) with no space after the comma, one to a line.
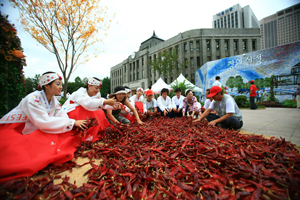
(240,100)
(290,103)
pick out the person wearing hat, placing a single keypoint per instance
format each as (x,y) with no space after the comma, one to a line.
(151,103)
(37,132)
(229,114)
(126,111)
(87,102)
(177,101)
(138,100)
(164,103)
(114,115)
(252,94)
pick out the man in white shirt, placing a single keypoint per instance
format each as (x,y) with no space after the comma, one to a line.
(177,102)
(164,103)
(217,82)
(229,114)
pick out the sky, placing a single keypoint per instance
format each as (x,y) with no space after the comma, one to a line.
(134,23)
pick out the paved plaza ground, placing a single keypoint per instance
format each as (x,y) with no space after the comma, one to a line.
(277,122)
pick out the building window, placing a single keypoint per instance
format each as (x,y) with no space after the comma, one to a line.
(235,46)
(218,23)
(236,19)
(191,46)
(177,50)
(197,45)
(208,44)
(222,22)
(130,77)
(138,76)
(166,80)
(215,22)
(253,45)
(226,44)
(150,82)
(143,75)
(192,61)
(218,57)
(186,76)
(142,61)
(225,24)
(198,62)
(133,66)
(150,72)
(217,44)
(208,58)
(171,79)
(185,62)
(244,44)
(185,47)
(232,20)
(134,76)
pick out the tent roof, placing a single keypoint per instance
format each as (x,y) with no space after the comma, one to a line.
(159,85)
(181,78)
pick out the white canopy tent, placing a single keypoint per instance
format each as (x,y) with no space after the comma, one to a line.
(181,78)
(159,85)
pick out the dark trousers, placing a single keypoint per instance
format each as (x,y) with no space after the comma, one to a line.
(252,102)
(231,122)
(169,114)
(179,114)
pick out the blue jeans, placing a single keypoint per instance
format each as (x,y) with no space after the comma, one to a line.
(230,123)
(169,114)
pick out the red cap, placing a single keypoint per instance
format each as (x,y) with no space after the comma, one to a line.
(214,90)
(252,81)
(149,92)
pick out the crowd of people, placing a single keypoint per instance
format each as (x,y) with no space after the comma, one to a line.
(39,131)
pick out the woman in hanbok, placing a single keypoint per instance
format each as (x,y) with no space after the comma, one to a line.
(114,116)
(138,101)
(190,104)
(87,102)
(37,132)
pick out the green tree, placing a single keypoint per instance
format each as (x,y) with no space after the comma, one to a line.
(238,82)
(105,87)
(230,82)
(32,83)
(182,85)
(73,86)
(167,64)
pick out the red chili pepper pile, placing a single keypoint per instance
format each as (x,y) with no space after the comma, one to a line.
(176,159)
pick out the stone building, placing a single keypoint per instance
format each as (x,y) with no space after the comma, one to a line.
(281,28)
(195,46)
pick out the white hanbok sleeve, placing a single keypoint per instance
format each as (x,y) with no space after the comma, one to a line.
(38,116)
(91,104)
(155,103)
(132,100)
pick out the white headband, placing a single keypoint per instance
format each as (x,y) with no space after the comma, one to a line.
(92,81)
(48,78)
(127,90)
(140,89)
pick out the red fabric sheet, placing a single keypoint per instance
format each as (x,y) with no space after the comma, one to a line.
(23,155)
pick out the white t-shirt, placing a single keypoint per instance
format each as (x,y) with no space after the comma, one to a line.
(207,103)
(149,103)
(177,102)
(217,83)
(229,105)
